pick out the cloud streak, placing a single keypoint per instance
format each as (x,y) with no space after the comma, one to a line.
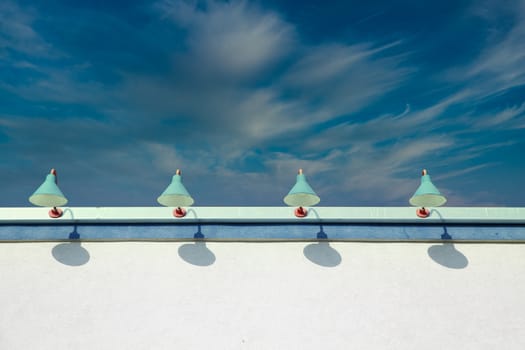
(17,34)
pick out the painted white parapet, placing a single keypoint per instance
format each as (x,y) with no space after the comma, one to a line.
(466,215)
(293,295)
(261,278)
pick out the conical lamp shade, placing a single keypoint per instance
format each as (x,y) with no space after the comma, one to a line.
(48,194)
(175,194)
(301,194)
(427,195)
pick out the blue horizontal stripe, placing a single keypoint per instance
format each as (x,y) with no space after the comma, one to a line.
(262,232)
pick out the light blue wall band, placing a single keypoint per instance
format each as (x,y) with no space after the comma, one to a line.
(387,232)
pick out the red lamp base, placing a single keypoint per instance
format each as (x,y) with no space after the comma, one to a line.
(55,213)
(422,212)
(179,212)
(301,212)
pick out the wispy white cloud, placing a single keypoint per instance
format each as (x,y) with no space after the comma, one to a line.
(344,78)
(372,132)
(233,39)
(60,85)
(246,111)
(17,33)
(500,63)
(463,171)
(508,118)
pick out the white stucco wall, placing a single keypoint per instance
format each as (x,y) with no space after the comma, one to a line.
(261,296)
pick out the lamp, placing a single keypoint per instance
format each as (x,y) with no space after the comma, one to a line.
(176,195)
(301,195)
(49,195)
(427,195)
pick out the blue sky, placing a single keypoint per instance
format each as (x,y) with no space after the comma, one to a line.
(118,95)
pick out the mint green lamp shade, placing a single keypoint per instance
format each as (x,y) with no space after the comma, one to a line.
(175,194)
(48,194)
(301,194)
(427,195)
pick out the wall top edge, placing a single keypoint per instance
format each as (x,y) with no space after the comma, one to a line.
(269,215)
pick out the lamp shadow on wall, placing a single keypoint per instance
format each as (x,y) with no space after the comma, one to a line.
(321,253)
(197,253)
(71,253)
(446,253)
